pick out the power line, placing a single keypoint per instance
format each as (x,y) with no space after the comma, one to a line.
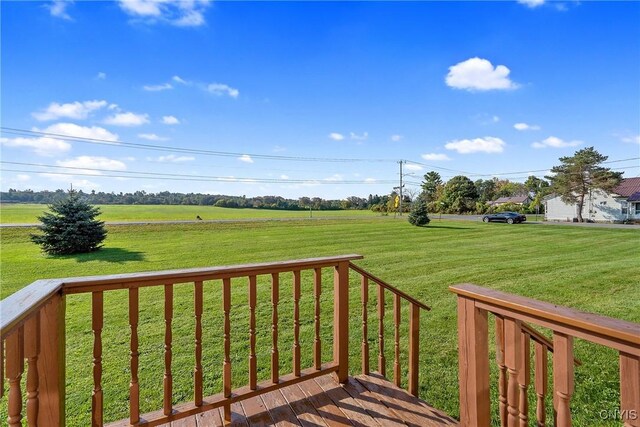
(153,147)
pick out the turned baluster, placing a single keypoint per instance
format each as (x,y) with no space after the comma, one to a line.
(524,378)
(502,371)
(275,298)
(32,352)
(317,285)
(563,377)
(253,375)
(197,370)
(134,385)
(396,352)
(541,373)
(381,359)
(15,368)
(365,333)
(168,378)
(97,304)
(296,323)
(512,357)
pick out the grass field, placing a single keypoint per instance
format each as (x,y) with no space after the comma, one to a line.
(596,270)
(28,213)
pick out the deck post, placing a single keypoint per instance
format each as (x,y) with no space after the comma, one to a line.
(630,389)
(341,321)
(473,361)
(51,363)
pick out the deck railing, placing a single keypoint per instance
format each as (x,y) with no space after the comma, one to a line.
(33,329)
(513,340)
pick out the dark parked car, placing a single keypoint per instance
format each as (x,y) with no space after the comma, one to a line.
(508,217)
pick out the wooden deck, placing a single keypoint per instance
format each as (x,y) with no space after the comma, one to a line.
(366,400)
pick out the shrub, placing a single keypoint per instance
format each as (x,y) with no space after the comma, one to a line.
(70,227)
(419,215)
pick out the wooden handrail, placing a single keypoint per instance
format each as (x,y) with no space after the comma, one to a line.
(541,339)
(618,334)
(388,286)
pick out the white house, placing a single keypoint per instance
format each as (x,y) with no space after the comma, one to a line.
(623,203)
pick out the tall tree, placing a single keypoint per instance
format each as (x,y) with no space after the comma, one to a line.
(581,173)
(432,180)
(459,195)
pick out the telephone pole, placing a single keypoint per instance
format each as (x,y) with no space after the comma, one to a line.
(401,185)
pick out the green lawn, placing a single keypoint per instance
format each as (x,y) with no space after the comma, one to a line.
(28,213)
(592,269)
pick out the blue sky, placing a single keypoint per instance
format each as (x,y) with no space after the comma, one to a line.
(236,98)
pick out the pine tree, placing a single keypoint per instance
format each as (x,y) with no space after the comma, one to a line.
(419,215)
(70,227)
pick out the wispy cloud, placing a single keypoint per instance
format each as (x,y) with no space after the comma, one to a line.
(245,158)
(356,137)
(101,76)
(336,136)
(220,89)
(630,139)
(58,8)
(532,3)
(128,119)
(186,13)
(74,130)
(396,138)
(178,79)
(487,144)
(152,137)
(172,158)
(92,163)
(170,120)
(478,74)
(42,146)
(73,110)
(525,126)
(555,142)
(436,157)
(157,88)
(412,167)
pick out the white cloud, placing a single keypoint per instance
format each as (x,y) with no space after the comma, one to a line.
(42,146)
(356,137)
(220,89)
(91,163)
(58,8)
(488,144)
(73,110)
(525,126)
(152,137)
(172,158)
(101,76)
(436,157)
(186,13)
(284,177)
(334,177)
(370,180)
(157,88)
(73,130)
(245,158)
(22,177)
(477,74)
(170,120)
(279,149)
(336,136)
(631,139)
(177,79)
(396,138)
(555,142)
(127,119)
(532,3)
(412,167)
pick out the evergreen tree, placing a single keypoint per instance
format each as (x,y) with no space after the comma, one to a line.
(430,184)
(580,174)
(70,227)
(460,195)
(419,215)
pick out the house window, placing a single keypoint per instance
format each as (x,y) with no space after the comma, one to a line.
(625,208)
(637,208)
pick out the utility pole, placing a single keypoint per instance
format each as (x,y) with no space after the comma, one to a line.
(400,162)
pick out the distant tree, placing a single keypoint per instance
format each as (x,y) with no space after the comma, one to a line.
(432,180)
(486,189)
(418,215)
(581,173)
(459,195)
(71,227)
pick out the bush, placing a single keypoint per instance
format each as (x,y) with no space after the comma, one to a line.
(70,227)
(419,215)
